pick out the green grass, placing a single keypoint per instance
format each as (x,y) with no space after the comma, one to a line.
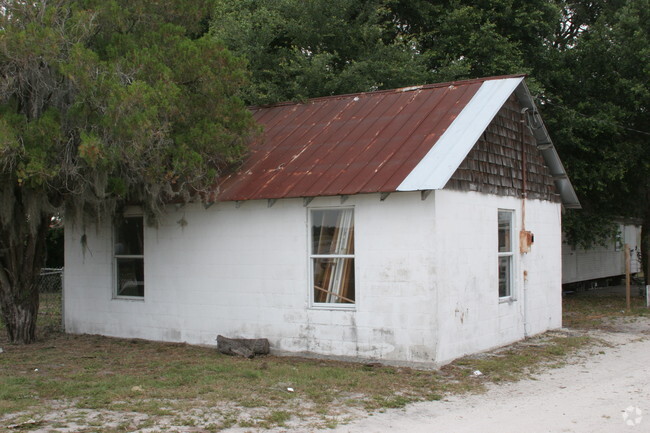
(588,311)
(163,379)
(93,372)
(519,360)
(49,313)
(198,386)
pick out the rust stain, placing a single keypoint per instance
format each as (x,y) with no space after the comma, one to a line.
(348,144)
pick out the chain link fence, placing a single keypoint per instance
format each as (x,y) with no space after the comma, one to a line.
(50,312)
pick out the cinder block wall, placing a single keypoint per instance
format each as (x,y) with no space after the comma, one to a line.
(426,278)
(471,317)
(244,272)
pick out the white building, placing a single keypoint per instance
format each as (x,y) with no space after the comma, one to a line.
(601,264)
(381,226)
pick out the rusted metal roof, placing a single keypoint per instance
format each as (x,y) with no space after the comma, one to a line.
(364,143)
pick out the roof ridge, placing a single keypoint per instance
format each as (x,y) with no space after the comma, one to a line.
(388,91)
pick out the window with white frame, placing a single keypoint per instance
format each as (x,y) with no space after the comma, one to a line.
(505,253)
(332,256)
(128,255)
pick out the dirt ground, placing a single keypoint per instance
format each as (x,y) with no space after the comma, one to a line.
(606,390)
(603,389)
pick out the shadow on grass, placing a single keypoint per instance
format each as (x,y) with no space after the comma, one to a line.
(591,310)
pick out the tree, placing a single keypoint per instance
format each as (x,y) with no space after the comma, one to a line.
(297,49)
(587,63)
(478,38)
(102,103)
(597,105)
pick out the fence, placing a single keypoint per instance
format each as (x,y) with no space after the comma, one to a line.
(50,312)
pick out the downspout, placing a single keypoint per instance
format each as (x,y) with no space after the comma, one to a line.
(524,184)
(524,195)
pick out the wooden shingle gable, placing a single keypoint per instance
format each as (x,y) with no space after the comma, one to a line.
(495,163)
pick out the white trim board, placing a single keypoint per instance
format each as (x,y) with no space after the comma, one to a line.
(440,163)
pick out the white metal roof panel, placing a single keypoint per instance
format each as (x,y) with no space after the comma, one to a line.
(440,163)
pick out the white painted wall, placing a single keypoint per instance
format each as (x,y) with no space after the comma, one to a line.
(243,272)
(426,278)
(579,264)
(470,316)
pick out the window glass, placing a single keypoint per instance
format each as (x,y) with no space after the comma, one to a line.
(332,231)
(129,257)
(130,277)
(504,276)
(332,255)
(505,253)
(128,236)
(505,240)
(334,280)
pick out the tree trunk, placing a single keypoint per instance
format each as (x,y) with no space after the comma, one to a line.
(246,347)
(21,259)
(20,321)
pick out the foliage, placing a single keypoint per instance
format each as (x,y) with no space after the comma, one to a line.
(585,229)
(298,49)
(596,105)
(572,51)
(601,311)
(477,38)
(109,99)
(108,102)
(104,103)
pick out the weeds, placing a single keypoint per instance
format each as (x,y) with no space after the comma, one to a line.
(592,311)
(146,382)
(164,380)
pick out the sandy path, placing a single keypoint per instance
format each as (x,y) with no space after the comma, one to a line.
(587,396)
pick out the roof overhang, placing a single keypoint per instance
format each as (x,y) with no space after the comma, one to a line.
(440,163)
(547,149)
(409,139)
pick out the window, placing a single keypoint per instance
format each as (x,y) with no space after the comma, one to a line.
(129,257)
(505,253)
(332,256)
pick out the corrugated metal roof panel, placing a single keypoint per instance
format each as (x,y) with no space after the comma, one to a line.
(434,170)
(404,139)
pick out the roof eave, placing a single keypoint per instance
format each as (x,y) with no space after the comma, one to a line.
(547,149)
